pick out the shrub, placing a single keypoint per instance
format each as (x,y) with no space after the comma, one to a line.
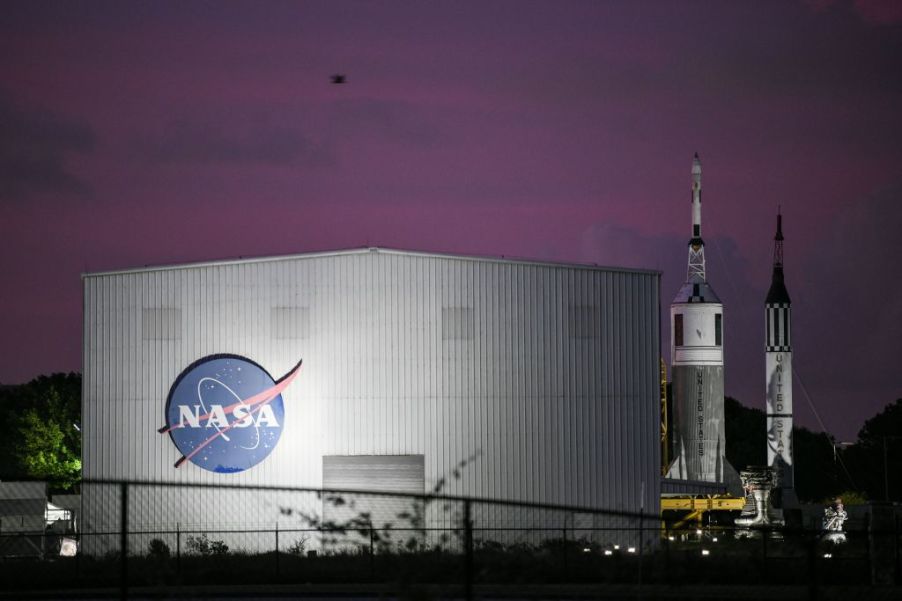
(157,549)
(299,547)
(202,545)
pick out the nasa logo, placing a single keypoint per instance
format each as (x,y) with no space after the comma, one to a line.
(225,413)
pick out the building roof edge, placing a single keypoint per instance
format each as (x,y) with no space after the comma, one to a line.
(367,250)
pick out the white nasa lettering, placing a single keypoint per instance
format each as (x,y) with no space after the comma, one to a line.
(193,418)
(267,416)
(243,414)
(217,417)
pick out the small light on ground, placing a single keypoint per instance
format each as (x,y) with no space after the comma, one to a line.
(608,552)
(587,550)
(699,531)
(828,555)
(670,538)
(706,552)
(631,550)
(714,539)
(616,547)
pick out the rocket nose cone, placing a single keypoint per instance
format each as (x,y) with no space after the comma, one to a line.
(696,164)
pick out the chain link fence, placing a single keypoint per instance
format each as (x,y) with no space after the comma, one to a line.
(370,543)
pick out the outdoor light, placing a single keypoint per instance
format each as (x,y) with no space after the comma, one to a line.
(616,547)
(587,550)
(608,552)
(706,552)
(671,538)
(714,539)
(828,555)
(699,531)
(631,550)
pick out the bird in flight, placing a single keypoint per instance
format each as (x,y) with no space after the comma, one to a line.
(338,78)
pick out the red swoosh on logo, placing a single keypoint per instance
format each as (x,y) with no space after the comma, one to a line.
(261,397)
(259,401)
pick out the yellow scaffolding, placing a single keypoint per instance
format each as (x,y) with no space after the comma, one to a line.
(696,506)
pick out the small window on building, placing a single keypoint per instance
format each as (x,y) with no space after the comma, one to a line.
(718,333)
(161,324)
(458,323)
(290,323)
(585,321)
(678,329)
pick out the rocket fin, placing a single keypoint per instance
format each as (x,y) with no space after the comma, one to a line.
(731,479)
(677,469)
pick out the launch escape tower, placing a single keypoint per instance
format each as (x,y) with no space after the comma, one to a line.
(696,318)
(778,368)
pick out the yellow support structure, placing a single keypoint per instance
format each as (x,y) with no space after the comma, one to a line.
(697,506)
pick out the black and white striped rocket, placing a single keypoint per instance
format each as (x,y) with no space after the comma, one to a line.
(697,337)
(778,366)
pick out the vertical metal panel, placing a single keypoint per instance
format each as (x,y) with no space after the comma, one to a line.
(533,411)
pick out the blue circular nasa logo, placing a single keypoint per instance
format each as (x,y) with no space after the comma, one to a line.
(225,413)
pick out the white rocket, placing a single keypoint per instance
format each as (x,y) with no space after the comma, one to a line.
(696,318)
(778,362)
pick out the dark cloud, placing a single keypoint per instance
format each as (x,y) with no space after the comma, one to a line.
(386,119)
(232,139)
(34,146)
(728,271)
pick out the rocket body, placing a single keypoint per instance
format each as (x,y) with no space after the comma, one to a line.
(697,371)
(697,338)
(778,376)
(778,366)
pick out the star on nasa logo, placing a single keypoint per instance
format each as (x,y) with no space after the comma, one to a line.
(225,413)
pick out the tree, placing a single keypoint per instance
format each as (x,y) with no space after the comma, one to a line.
(744,429)
(818,471)
(42,432)
(876,458)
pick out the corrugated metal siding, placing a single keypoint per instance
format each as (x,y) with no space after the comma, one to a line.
(541,408)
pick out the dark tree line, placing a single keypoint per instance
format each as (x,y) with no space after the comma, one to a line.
(871,467)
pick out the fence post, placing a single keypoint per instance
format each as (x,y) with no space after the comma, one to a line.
(668,576)
(641,552)
(468,552)
(898,570)
(372,554)
(881,554)
(812,569)
(867,529)
(277,548)
(564,539)
(123,542)
(178,548)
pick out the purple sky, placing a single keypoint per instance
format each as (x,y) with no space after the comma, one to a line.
(149,133)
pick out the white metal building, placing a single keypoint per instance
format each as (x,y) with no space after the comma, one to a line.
(544,375)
